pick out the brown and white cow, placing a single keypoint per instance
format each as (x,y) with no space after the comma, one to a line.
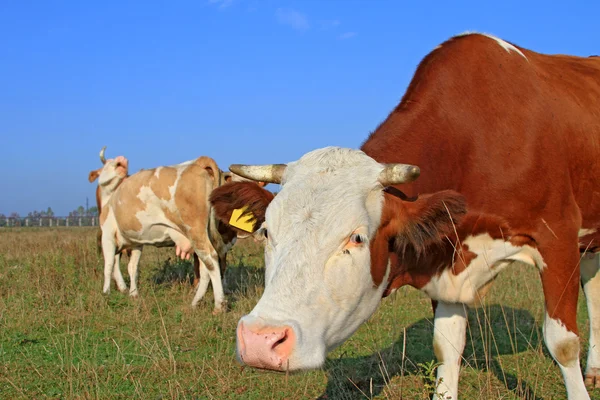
(508,143)
(92,176)
(165,206)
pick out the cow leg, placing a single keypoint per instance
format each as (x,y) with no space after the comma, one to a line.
(132,269)
(117,276)
(108,251)
(196,270)
(202,283)
(449,338)
(223,269)
(560,281)
(211,264)
(590,280)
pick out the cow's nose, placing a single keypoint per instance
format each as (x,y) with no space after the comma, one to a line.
(267,347)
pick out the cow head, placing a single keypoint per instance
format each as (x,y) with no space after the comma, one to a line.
(111,174)
(328,236)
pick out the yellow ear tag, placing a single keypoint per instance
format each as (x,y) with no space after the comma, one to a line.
(245,223)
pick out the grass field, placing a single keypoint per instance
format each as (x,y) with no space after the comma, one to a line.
(60,337)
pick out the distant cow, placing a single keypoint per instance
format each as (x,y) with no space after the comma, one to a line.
(508,143)
(93,175)
(165,206)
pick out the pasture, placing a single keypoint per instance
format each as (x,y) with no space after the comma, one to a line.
(60,337)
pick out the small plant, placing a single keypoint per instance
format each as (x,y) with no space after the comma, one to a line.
(428,371)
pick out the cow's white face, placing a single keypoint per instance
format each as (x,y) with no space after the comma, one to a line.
(111,175)
(318,266)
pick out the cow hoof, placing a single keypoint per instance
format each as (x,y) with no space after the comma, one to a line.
(592,378)
(218,311)
(123,290)
(133,294)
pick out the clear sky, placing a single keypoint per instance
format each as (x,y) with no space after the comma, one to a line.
(243,81)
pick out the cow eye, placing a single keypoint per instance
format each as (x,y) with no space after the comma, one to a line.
(357,238)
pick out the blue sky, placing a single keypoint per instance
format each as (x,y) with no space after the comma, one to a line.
(243,81)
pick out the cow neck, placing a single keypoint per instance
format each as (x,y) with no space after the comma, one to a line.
(214,236)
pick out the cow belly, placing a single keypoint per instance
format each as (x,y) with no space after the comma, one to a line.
(470,284)
(160,236)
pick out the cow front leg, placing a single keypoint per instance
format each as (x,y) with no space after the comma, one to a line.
(449,337)
(560,281)
(108,251)
(132,269)
(590,280)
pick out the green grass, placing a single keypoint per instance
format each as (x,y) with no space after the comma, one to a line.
(60,337)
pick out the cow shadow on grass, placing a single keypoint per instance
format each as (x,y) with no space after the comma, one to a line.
(172,271)
(245,279)
(368,376)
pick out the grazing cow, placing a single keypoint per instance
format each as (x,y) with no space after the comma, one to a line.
(165,206)
(507,141)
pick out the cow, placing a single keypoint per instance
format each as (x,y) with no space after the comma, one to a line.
(164,206)
(506,142)
(92,176)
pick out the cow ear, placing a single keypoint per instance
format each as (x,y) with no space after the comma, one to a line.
(252,199)
(426,221)
(93,175)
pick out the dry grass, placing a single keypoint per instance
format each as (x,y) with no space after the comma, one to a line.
(61,338)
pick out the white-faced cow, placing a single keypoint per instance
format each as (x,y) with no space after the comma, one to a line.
(507,141)
(165,206)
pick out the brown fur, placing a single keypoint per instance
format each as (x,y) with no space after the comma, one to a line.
(160,185)
(516,137)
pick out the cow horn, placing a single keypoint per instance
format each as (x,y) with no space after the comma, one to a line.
(102,158)
(394,174)
(272,173)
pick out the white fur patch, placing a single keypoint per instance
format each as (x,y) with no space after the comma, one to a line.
(590,278)
(504,44)
(493,255)
(325,196)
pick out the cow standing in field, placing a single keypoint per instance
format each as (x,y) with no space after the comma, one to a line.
(165,206)
(93,175)
(508,143)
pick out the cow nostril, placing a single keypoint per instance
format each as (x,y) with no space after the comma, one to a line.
(283,338)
